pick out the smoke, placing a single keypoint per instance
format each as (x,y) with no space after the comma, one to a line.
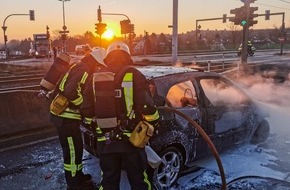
(267,90)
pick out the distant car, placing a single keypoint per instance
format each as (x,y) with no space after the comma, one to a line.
(82,49)
(217,46)
(224,111)
(2,54)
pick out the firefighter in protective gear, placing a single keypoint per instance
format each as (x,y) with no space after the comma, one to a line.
(67,122)
(134,103)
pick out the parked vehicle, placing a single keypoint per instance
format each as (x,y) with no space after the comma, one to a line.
(250,49)
(217,46)
(224,111)
(2,54)
(82,49)
(40,47)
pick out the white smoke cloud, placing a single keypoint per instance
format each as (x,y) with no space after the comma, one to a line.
(266,90)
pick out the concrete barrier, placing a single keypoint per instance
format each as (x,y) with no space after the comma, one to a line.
(22,111)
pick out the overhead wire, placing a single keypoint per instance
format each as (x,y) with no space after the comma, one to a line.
(262,4)
(272,6)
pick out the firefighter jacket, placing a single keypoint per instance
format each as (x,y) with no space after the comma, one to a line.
(134,104)
(72,85)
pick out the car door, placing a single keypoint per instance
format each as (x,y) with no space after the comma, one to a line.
(229,111)
(182,97)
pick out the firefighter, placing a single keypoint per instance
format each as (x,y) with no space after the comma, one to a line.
(116,118)
(66,117)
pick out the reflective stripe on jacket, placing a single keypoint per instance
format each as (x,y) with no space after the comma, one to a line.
(137,99)
(71,86)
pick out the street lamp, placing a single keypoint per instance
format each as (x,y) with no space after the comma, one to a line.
(63,33)
(31,14)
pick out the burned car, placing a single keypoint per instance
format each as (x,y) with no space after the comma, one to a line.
(223,110)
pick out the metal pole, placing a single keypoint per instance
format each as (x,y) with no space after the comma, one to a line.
(5,44)
(145,43)
(64,26)
(282,32)
(4,31)
(63,19)
(116,14)
(244,53)
(196,23)
(63,14)
(174,32)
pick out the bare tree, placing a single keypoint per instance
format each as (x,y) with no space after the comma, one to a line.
(235,33)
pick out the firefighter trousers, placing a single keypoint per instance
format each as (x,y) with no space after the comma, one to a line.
(72,147)
(134,163)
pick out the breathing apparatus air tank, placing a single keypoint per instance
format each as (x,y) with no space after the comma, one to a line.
(58,68)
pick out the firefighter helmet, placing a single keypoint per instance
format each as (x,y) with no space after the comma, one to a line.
(118,46)
(99,55)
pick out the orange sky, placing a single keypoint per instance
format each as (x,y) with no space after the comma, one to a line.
(149,15)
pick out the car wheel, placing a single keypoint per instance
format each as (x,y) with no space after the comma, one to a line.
(168,171)
(262,132)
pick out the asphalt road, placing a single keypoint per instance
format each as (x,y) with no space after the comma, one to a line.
(40,167)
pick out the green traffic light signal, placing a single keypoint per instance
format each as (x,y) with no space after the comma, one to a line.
(243,22)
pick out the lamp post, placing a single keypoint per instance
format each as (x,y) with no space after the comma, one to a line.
(63,33)
(31,14)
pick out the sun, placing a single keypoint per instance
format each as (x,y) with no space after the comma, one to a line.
(108,34)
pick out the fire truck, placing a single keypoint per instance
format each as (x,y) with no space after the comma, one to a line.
(41,46)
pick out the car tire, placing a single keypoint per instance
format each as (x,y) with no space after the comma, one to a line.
(262,132)
(168,171)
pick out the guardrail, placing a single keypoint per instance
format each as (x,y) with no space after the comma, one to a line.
(22,110)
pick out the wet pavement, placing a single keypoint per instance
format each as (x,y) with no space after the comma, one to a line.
(40,167)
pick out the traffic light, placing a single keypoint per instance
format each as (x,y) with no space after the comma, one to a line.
(252,16)
(267,15)
(31,15)
(5,38)
(47,32)
(125,26)
(99,14)
(100,28)
(131,28)
(240,17)
(224,18)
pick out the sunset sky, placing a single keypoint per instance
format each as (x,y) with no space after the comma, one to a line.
(149,15)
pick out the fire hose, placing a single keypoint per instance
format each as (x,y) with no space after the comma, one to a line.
(206,138)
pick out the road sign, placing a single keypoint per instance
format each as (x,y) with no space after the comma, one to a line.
(281,39)
(63,32)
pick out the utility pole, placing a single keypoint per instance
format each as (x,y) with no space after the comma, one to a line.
(175,32)
(244,53)
(64,32)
